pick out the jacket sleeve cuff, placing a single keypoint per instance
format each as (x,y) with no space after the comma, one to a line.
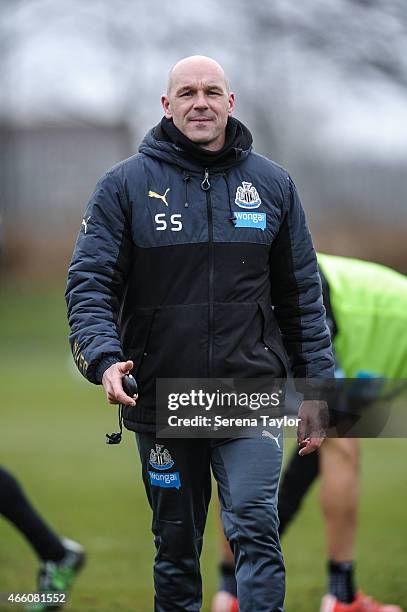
(316,388)
(103,365)
(314,394)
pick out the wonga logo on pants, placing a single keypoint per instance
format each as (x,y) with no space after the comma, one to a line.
(168,481)
(161,459)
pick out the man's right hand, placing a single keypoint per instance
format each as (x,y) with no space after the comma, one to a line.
(112,383)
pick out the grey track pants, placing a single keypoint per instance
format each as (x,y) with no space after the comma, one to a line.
(176,475)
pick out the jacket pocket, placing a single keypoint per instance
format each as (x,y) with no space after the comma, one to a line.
(240,350)
(168,342)
(272,336)
(177,344)
(135,341)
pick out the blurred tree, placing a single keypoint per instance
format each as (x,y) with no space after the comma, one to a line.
(322,83)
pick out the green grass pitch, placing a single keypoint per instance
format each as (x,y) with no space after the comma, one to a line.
(52,438)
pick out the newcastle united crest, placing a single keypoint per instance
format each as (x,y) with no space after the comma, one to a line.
(247,196)
(160,458)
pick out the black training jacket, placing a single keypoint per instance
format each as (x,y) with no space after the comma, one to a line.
(195,273)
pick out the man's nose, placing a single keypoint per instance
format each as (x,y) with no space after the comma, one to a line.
(200,101)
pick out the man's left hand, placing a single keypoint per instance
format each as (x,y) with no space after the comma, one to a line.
(313,415)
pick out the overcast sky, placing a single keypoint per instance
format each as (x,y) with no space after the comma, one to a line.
(329,72)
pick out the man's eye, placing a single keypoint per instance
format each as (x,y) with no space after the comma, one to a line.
(186,93)
(214,93)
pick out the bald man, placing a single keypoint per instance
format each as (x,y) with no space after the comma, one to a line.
(183,252)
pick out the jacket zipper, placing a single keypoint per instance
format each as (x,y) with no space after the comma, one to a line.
(206,186)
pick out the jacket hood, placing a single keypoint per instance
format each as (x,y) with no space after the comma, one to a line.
(167,143)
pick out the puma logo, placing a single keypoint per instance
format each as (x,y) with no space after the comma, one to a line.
(85,224)
(267,434)
(153,194)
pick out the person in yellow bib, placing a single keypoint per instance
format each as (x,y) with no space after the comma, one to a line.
(366,308)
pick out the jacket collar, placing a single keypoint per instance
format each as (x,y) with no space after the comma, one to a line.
(167,143)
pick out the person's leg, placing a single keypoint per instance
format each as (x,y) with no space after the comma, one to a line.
(339,464)
(227,565)
(15,507)
(61,559)
(176,475)
(225,599)
(247,471)
(297,478)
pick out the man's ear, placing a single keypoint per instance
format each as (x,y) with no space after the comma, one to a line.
(165,103)
(231,102)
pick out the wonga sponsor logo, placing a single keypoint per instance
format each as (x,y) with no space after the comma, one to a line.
(167,481)
(161,459)
(255,220)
